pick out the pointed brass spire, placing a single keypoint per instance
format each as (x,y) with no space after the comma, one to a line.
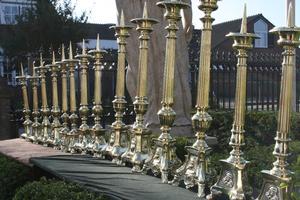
(63,55)
(98,43)
(145,11)
(53,57)
(122,18)
(290,16)
(41,60)
(22,70)
(244,21)
(70,51)
(83,47)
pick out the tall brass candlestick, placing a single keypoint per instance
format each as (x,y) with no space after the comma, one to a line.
(278,181)
(98,142)
(47,138)
(26,110)
(118,127)
(233,178)
(193,170)
(55,111)
(64,97)
(140,133)
(84,129)
(36,126)
(164,160)
(72,137)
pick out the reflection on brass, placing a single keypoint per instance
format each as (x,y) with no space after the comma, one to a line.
(278,181)
(55,111)
(119,129)
(72,137)
(139,147)
(26,110)
(233,180)
(36,126)
(64,98)
(84,138)
(98,139)
(47,138)
(193,171)
(164,160)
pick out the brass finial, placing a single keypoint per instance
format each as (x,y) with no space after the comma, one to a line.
(98,43)
(70,51)
(83,47)
(290,16)
(122,18)
(22,70)
(53,57)
(41,59)
(63,56)
(145,11)
(244,20)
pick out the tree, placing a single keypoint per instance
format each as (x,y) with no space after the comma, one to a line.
(46,24)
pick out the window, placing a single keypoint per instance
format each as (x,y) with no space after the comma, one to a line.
(261,29)
(10,13)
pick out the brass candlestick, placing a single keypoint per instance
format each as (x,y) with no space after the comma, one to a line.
(278,181)
(193,171)
(233,179)
(37,133)
(140,134)
(47,138)
(98,142)
(64,97)
(84,129)
(55,111)
(118,127)
(26,110)
(164,160)
(72,137)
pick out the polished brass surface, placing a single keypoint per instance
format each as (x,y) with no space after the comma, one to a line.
(278,181)
(193,171)
(233,179)
(55,111)
(98,140)
(164,160)
(85,137)
(64,97)
(73,136)
(119,129)
(139,143)
(47,138)
(36,126)
(26,110)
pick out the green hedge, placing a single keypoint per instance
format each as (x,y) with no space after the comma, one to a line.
(54,190)
(12,176)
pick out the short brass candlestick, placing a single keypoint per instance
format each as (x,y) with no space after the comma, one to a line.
(84,129)
(64,97)
(118,127)
(72,137)
(278,181)
(55,111)
(233,179)
(98,142)
(26,110)
(193,171)
(140,134)
(164,160)
(47,138)
(36,126)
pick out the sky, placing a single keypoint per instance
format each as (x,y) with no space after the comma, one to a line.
(104,11)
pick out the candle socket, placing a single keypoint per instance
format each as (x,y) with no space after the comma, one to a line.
(193,171)
(164,160)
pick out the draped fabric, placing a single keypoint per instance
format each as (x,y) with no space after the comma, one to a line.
(182,95)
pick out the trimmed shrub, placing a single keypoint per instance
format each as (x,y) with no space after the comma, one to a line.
(54,190)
